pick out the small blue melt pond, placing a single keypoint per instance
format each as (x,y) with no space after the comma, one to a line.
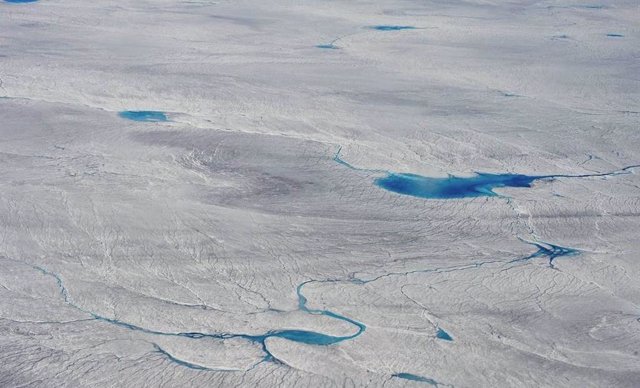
(391,28)
(20,1)
(327,46)
(443,335)
(611,35)
(480,185)
(143,115)
(412,377)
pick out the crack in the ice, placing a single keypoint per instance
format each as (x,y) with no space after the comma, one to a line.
(548,250)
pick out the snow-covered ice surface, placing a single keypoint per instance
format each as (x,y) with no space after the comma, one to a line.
(194,193)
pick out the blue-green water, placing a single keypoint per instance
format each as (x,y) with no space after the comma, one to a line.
(412,377)
(329,46)
(443,335)
(143,115)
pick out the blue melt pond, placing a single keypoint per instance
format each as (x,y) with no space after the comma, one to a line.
(327,46)
(391,28)
(480,185)
(20,1)
(443,335)
(615,35)
(412,377)
(143,115)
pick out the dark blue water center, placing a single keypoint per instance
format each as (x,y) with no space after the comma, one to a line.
(143,115)
(20,1)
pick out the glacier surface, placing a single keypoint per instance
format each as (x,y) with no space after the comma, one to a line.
(329,193)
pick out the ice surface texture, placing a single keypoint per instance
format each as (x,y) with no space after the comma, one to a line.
(174,212)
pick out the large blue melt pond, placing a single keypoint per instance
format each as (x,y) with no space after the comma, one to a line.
(480,185)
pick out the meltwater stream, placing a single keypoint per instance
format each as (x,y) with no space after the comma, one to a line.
(300,336)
